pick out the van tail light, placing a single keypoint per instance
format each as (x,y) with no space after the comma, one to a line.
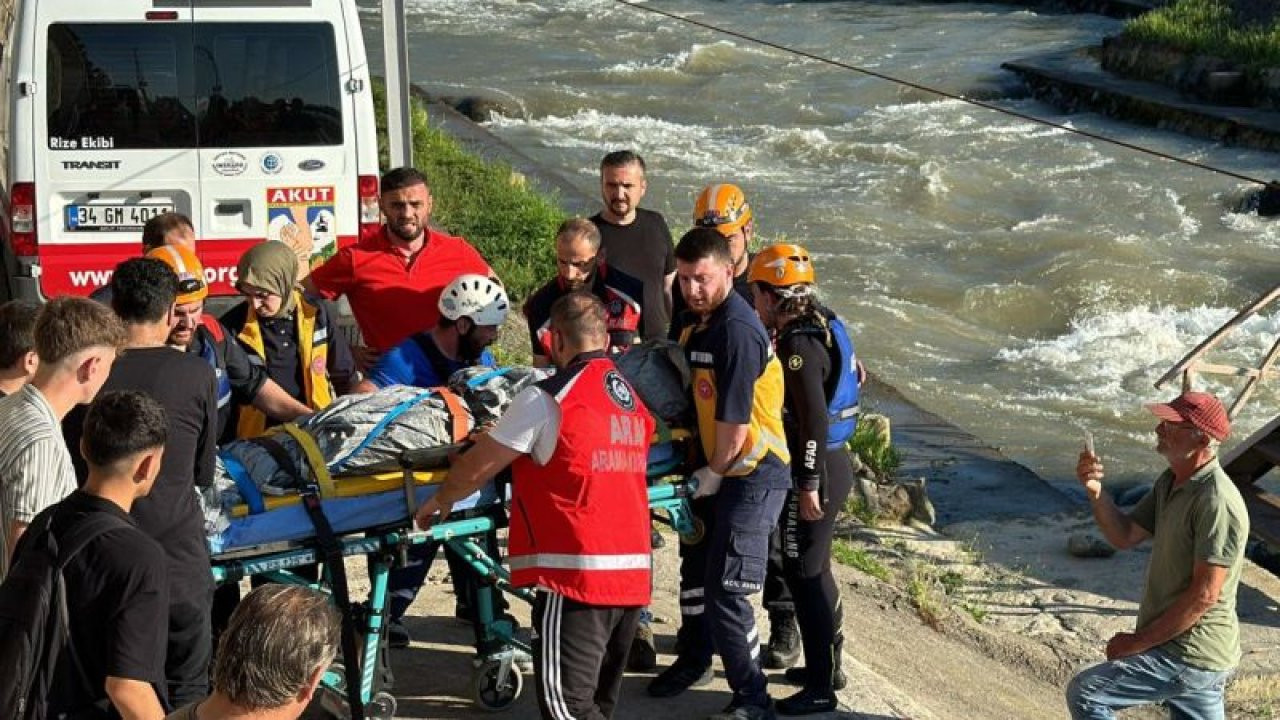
(22,219)
(370,212)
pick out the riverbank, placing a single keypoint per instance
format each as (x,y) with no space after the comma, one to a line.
(1005,613)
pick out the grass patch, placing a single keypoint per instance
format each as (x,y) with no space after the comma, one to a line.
(875,450)
(858,508)
(951,582)
(483,201)
(858,558)
(922,589)
(977,612)
(1210,27)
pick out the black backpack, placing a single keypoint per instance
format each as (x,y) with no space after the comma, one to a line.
(34,626)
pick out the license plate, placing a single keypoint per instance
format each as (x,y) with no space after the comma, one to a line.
(111,218)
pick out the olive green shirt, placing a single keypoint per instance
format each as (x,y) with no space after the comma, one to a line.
(1204,519)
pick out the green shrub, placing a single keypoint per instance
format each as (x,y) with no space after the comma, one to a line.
(876,453)
(483,201)
(1209,27)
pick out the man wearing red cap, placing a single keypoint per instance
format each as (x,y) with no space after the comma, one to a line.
(1188,638)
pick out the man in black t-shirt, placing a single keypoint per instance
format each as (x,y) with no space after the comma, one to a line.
(143,294)
(116,585)
(637,241)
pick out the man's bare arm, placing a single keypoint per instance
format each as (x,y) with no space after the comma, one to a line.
(1118,528)
(134,699)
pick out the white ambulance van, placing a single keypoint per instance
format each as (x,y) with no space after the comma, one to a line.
(254,119)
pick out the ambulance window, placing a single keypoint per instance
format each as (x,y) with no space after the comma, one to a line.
(268,85)
(119,85)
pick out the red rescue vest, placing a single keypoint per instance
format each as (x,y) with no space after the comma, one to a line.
(581,522)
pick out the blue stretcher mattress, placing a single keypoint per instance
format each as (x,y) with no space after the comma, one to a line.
(354,514)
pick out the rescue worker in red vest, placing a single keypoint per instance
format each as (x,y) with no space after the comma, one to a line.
(202,334)
(737,395)
(580,265)
(822,379)
(578,446)
(286,333)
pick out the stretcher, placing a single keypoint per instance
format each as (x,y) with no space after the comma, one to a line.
(372,516)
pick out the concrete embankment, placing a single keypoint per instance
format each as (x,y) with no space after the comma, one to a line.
(1075,81)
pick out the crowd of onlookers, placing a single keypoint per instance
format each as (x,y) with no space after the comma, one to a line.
(114,406)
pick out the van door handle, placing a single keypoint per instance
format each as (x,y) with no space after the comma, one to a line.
(229,208)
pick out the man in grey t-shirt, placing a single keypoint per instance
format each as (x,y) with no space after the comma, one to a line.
(1187,639)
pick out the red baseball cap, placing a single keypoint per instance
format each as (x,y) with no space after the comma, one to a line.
(1198,408)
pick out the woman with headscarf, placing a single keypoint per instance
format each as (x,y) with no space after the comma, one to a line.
(290,334)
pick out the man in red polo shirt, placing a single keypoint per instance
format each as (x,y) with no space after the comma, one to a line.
(393,280)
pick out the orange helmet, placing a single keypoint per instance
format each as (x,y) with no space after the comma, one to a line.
(183,262)
(781,266)
(722,206)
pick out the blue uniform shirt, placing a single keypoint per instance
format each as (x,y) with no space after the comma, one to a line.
(417,361)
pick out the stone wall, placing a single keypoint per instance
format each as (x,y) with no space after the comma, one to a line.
(1201,77)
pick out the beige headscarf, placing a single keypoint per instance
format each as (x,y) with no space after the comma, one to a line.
(272,266)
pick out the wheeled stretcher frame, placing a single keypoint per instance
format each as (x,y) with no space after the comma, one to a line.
(357,684)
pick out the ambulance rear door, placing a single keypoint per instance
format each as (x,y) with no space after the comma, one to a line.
(115,127)
(276,126)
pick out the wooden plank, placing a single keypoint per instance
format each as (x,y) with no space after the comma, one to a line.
(1219,334)
(1245,372)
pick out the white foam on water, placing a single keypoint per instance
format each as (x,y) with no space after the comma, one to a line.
(931,172)
(1114,356)
(1188,225)
(1040,223)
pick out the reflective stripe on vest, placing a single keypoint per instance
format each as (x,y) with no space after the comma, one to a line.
(561,561)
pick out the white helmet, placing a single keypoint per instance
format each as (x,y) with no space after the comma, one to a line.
(474,296)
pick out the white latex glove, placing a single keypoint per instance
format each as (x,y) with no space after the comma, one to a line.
(708,481)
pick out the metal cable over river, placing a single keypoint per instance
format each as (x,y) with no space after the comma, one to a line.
(1017,279)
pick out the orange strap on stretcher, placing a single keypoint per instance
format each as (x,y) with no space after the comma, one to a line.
(457,411)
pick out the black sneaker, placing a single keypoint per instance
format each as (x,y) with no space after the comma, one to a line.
(807,702)
(397,635)
(744,712)
(655,539)
(784,642)
(800,676)
(682,675)
(642,656)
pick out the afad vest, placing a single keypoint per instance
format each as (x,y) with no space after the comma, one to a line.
(580,525)
(842,406)
(209,353)
(313,354)
(764,430)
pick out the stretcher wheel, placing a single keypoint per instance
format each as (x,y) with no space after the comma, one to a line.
(381,707)
(337,672)
(491,694)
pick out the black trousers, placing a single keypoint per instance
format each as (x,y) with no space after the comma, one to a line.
(806,562)
(190,647)
(579,653)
